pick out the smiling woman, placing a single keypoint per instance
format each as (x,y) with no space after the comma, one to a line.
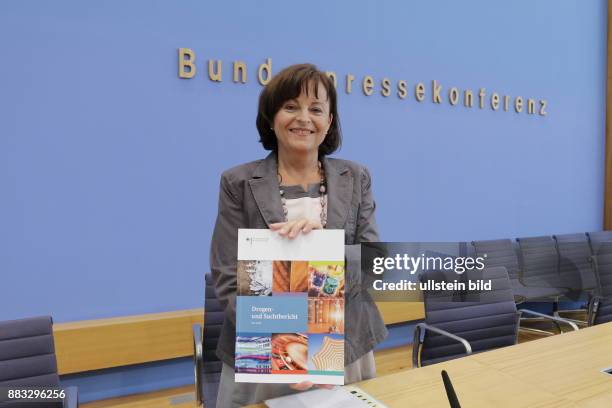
(299,96)
(294,190)
(303,122)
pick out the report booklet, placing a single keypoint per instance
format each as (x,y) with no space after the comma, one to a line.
(290,307)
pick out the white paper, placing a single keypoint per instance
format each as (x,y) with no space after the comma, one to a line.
(339,397)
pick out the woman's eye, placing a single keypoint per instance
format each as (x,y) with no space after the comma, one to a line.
(290,107)
(317,110)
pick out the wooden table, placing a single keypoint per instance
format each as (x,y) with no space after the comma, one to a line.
(557,371)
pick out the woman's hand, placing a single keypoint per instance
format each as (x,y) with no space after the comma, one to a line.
(291,229)
(306,385)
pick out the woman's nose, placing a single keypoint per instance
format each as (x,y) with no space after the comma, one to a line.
(303,115)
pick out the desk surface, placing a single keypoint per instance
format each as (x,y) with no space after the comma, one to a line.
(557,371)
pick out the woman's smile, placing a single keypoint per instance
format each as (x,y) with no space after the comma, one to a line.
(301,131)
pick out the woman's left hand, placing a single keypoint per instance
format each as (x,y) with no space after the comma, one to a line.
(306,385)
(291,229)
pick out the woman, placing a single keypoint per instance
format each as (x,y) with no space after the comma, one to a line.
(294,190)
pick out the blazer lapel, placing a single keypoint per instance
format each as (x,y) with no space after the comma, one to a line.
(339,195)
(264,186)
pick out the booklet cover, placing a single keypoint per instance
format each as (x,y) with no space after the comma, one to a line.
(290,307)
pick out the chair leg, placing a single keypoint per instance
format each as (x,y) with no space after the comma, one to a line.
(538,320)
(582,323)
(538,331)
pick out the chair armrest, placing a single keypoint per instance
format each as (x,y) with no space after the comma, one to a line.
(198,362)
(553,318)
(71,400)
(419,336)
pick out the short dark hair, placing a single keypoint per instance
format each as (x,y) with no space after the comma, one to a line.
(286,85)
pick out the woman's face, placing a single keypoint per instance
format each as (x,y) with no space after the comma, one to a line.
(301,124)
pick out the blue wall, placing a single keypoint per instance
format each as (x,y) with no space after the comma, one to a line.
(109,163)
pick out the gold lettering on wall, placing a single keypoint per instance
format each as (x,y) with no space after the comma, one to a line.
(494,101)
(481,95)
(419,92)
(518,104)
(543,107)
(468,98)
(368,85)
(240,72)
(187,69)
(267,67)
(386,87)
(215,75)
(530,106)
(436,88)
(453,96)
(332,76)
(402,92)
(349,82)
(186,63)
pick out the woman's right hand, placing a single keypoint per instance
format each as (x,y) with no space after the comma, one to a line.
(291,229)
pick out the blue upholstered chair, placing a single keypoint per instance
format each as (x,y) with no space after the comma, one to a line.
(207,364)
(458,323)
(500,252)
(539,260)
(27,359)
(576,269)
(575,261)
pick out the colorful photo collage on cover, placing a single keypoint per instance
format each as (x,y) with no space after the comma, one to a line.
(306,297)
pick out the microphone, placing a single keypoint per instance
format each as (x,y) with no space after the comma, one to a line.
(450,391)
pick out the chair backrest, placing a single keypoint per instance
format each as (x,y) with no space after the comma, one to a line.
(213,320)
(574,260)
(539,261)
(499,252)
(27,353)
(603,269)
(486,319)
(601,242)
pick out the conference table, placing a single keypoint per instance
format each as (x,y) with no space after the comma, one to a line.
(558,371)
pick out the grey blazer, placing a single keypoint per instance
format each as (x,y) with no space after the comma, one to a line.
(249,198)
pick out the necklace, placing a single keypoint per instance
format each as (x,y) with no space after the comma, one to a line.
(322,195)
